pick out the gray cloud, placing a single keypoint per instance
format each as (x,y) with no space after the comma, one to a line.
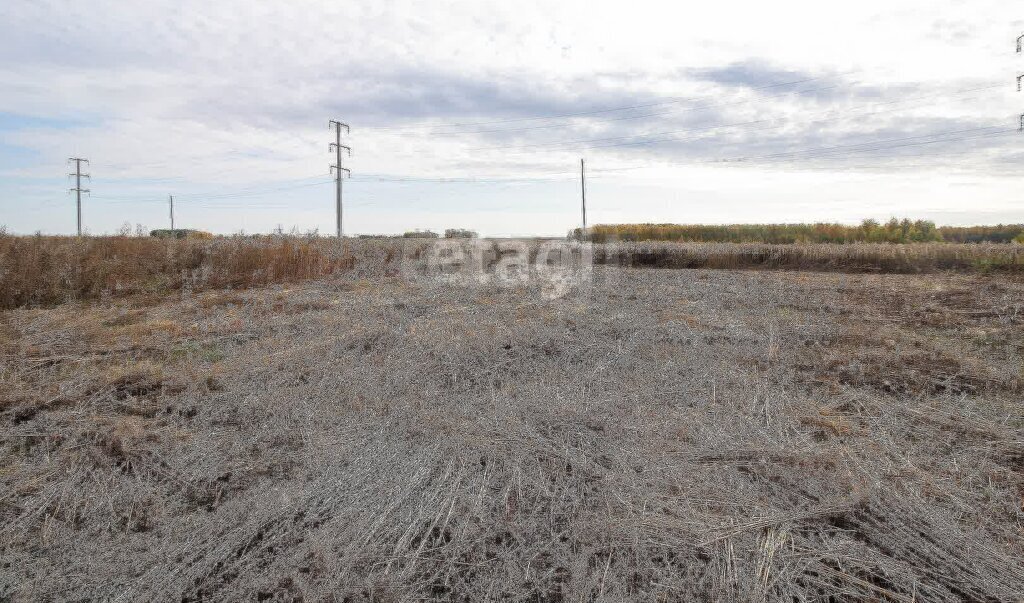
(234,90)
(750,74)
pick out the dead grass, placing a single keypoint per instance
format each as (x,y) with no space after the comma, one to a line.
(879,258)
(44,271)
(52,270)
(678,435)
(910,366)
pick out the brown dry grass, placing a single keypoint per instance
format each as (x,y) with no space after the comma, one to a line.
(881,258)
(50,270)
(44,271)
(707,436)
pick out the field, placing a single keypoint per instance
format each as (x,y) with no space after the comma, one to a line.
(42,270)
(811,434)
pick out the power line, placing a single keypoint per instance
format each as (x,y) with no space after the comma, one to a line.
(255,192)
(826,151)
(570,142)
(831,155)
(698,138)
(861,144)
(43,205)
(202,197)
(457,179)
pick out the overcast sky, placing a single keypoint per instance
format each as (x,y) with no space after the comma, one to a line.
(475,114)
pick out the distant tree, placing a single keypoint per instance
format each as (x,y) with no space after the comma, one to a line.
(180,233)
(459,233)
(420,234)
(1002,233)
(893,231)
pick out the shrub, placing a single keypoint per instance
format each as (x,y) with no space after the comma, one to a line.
(180,233)
(459,233)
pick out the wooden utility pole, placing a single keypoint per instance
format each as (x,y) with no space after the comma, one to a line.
(337,147)
(170,200)
(78,187)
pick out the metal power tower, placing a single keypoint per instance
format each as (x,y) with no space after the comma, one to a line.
(583,195)
(170,201)
(78,187)
(1020,47)
(336,146)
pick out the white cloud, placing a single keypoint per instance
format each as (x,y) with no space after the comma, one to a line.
(237,94)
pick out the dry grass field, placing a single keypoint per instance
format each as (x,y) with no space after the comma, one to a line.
(41,270)
(664,435)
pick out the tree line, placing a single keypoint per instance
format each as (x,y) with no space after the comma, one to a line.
(868,231)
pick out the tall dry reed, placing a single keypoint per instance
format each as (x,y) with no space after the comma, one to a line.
(41,270)
(49,270)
